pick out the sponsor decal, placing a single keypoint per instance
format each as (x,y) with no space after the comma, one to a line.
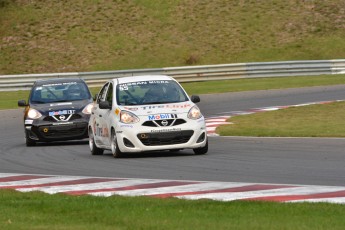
(64,83)
(201,120)
(125,86)
(165,130)
(158,82)
(102,132)
(167,106)
(131,108)
(63,123)
(60,104)
(94,125)
(126,126)
(162,116)
(29,122)
(61,112)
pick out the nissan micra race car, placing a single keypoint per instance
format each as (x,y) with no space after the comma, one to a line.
(146,113)
(57,110)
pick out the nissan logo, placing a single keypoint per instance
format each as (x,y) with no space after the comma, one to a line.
(164,122)
(62,117)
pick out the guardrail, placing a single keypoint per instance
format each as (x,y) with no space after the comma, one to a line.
(190,73)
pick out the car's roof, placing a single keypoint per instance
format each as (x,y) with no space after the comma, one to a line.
(142,78)
(57,80)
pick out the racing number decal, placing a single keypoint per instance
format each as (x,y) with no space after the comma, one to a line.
(102,132)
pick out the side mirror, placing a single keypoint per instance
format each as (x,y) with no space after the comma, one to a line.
(104,105)
(22,103)
(195,98)
(95,97)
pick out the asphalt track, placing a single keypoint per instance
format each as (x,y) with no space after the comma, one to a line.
(309,161)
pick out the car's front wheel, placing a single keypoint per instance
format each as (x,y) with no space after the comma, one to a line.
(94,149)
(115,150)
(29,142)
(202,150)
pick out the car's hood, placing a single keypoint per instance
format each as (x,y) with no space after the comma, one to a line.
(61,106)
(172,108)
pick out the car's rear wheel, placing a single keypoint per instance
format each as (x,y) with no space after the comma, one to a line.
(94,149)
(115,150)
(202,150)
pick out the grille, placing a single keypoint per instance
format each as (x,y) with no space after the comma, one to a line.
(63,131)
(165,138)
(51,118)
(171,122)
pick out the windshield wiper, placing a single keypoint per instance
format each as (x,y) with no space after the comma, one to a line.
(38,102)
(152,103)
(61,101)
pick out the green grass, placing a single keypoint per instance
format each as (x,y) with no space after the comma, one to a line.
(42,211)
(90,35)
(9,99)
(308,121)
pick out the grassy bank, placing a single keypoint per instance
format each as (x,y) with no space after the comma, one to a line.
(308,121)
(43,211)
(89,35)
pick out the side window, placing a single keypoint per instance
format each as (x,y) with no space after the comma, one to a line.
(102,93)
(109,96)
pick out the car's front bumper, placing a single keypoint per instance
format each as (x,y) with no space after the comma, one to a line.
(46,132)
(136,138)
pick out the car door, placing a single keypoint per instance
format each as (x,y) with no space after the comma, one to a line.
(105,116)
(97,122)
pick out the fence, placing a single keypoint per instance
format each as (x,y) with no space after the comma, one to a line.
(190,73)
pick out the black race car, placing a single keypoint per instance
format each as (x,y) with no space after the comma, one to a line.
(57,110)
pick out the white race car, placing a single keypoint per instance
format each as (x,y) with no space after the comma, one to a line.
(146,113)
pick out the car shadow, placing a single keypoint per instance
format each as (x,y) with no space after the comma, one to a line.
(62,143)
(155,154)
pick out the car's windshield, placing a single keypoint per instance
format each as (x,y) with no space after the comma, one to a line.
(59,92)
(149,92)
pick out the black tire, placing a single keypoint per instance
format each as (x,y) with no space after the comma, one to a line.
(93,148)
(115,150)
(29,142)
(174,150)
(202,150)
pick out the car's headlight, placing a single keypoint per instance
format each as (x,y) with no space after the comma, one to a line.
(194,113)
(34,114)
(128,118)
(88,108)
